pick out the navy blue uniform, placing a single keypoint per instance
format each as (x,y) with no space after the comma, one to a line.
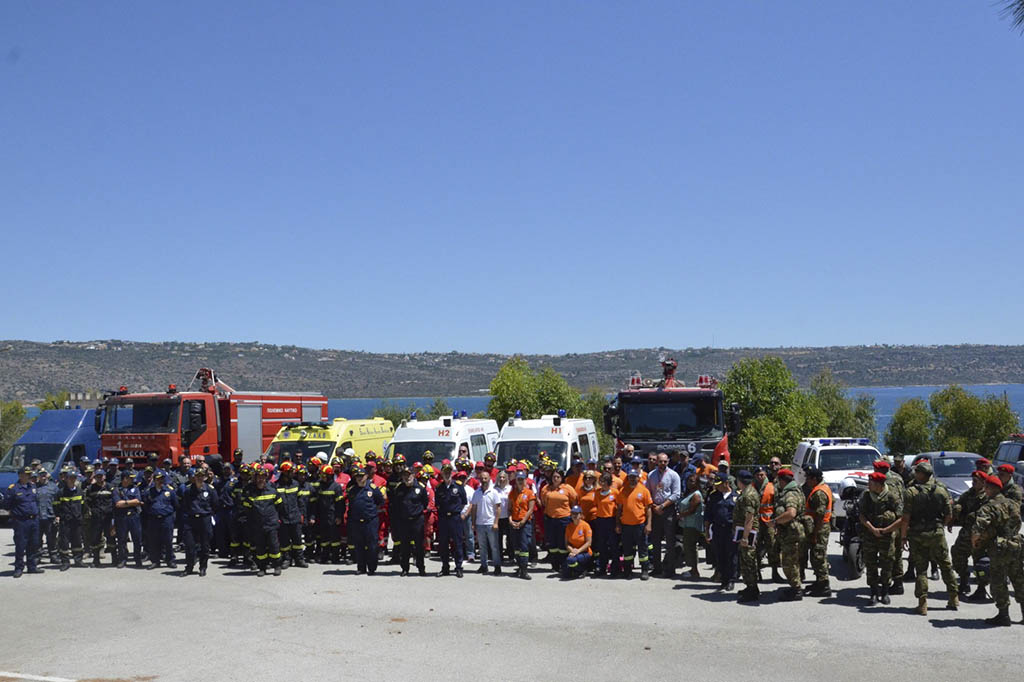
(46,494)
(408,505)
(329,511)
(262,507)
(292,547)
(226,505)
(99,501)
(128,524)
(69,509)
(364,503)
(718,514)
(20,500)
(450,499)
(239,545)
(198,505)
(163,506)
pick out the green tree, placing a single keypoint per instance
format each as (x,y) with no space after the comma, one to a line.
(776,414)
(963,421)
(554,393)
(593,404)
(394,412)
(513,388)
(13,423)
(439,408)
(909,431)
(846,416)
(54,401)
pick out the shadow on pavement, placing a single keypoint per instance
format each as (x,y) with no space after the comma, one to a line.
(963,623)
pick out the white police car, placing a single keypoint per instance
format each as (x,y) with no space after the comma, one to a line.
(843,462)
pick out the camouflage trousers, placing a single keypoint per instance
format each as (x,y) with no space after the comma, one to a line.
(817,546)
(961,553)
(1006,565)
(927,546)
(750,570)
(878,558)
(790,538)
(897,555)
(767,545)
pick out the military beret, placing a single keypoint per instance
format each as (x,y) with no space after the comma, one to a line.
(880,465)
(1006,468)
(877,477)
(978,473)
(813,472)
(993,480)
(924,466)
(982,462)
(745,476)
(785,473)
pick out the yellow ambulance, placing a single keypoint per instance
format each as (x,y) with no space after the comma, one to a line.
(303,440)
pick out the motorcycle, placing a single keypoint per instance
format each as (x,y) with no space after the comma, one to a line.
(849,534)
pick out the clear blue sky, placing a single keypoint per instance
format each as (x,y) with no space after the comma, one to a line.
(512,177)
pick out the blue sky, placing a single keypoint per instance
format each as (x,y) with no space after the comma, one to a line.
(512,177)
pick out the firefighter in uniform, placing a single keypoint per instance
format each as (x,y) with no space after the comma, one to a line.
(198,503)
(69,510)
(450,498)
(292,547)
(239,545)
(313,550)
(163,505)
(303,499)
(99,503)
(226,506)
(20,500)
(365,502)
(329,512)
(408,516)
(262,504)
(127,520)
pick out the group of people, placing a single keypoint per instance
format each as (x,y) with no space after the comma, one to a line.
(603,519)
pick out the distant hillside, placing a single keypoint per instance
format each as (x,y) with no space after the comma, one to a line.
(29,370)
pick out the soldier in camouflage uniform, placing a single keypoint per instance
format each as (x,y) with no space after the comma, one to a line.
(964,512)
(789,529)
(927,509)
(1011,490)
(881,514)
(819,512)
(997,527)
(766,544)
(745,516)
(896,485)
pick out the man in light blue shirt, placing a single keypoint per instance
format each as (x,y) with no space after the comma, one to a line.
(665,488)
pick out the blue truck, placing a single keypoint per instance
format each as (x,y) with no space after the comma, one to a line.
(56,437)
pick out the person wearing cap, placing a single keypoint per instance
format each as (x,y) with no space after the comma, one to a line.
(556,498)
(127,500)
(20,501)
(163,504)
(574,476)
(69,508)
(790,505)
(927,509)
(819,513)
(745,519)
(718,527)
(377,473)
(965,511)
(46,494)
(897,487)
(290,533)
(408,513)
(637,462)
(997,530)
(665,488)
(198,503)
(99,510)
(365,500)
(327,509)
(263,503)
(984,465)
(881,512)
(633,522)
(899,467)
(451,499)
(490,463)
(578,539)
(521,502)
(1011,490)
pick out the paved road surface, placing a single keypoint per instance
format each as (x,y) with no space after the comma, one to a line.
(324,623)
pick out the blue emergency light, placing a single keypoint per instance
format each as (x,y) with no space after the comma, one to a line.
(561,413)
(462,415)
(412,416)
(519,414)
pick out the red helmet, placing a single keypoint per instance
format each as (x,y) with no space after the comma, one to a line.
(286,466)
(327,470)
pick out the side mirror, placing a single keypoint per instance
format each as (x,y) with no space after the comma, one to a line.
(610,414)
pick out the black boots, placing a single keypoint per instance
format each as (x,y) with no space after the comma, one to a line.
(750,594)
(791,594)
(979,594)
(1000,619)
(818,588)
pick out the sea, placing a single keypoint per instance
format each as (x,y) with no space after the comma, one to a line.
(887,399)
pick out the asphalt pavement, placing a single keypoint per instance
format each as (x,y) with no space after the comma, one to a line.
(326,623)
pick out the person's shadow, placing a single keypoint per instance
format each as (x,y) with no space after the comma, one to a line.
(963,624)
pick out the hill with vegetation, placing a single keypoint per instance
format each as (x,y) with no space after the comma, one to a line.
(30,370)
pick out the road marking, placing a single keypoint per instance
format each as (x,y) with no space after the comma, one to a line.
(35,678)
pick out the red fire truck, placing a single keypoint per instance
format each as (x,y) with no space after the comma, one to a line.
(668,415)
(208,423)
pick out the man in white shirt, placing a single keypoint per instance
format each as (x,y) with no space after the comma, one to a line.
(485,510)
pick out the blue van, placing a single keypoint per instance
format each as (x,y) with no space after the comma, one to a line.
(55,437)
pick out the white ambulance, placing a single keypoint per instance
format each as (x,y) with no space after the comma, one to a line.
(443,437)
(558,436)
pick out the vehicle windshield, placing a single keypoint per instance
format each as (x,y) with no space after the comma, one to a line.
(697,416)
(144,416)
(301,451)
(529,451)
(839,459)
(952,467)
(413,450)
(22,455)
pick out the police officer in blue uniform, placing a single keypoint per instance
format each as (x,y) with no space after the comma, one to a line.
(128,519)
(20,500)
(222,527)
(718,515)
(450,499)
(198,503)
(163,504)
(365,501)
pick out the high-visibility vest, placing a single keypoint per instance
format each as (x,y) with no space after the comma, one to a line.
(767,501)
(828,495)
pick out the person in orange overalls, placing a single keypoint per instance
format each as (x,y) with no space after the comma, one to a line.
(578,538)
(634,515)
(574,477)
(557,499)
(587,495)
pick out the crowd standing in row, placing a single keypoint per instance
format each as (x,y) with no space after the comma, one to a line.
(599,519)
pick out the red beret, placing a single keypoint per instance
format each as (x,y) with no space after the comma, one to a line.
(785,472)
(877,476)
(980,474)
(1006,468)
(994,480)
(880,465)
(982,462)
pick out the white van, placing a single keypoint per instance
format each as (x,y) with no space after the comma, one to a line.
(559,437)
(443,437)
